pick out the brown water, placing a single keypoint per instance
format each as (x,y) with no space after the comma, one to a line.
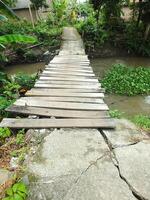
(129,105)
(24,68)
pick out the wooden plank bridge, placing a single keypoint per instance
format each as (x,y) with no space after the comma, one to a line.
(67,93)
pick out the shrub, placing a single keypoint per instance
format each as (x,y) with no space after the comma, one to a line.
(124,80)
(4,103)
(25,81)
(4,133)
(17,191)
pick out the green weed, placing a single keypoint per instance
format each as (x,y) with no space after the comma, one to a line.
(124,80)
(142,121)
(17,192)
(115,114)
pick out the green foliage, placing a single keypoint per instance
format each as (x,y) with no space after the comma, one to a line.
(20,139)
(3,18)
(17,38)
(115,114)
(25,80)
(124,80)
(4,103)
(4,133)
(39,3)
(17,192)
(6,10)
(11,90)
(58,15)
(134,41)
(142,121)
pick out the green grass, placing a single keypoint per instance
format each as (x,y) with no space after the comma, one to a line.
(142,121)
(116,114)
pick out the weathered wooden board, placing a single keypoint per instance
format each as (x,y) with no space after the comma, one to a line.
(70,63)
(64,70)
(48,90)
(47,85)
(73,75)
(65,99)
(27,110)
(77,66)
(63,94)
(57,123)
(62,105)
(81,79)
(67,76)
(69,72)
(75,83)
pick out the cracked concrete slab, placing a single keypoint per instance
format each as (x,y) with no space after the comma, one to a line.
(100,182)
(134,164)
(75,164)
(67,150)
(126,133)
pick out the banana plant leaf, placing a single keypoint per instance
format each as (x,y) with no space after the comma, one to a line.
(4,9)
(17,38)
(3,18)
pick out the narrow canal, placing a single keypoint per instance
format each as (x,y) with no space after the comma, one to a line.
(129,105)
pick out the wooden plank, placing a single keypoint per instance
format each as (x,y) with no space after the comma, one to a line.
(63,94)
(58,112)
(65,99)
(77,67)
(71,59)
(92,80)
(47,85)
(61,105)
(75,83)
(48,90)
(56,69)
(70,64)
(68,71)
(67,74)
(57,123)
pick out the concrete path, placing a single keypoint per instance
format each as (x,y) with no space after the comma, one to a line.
(89,164)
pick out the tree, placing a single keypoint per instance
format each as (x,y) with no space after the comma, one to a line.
(39,4)
(6,10)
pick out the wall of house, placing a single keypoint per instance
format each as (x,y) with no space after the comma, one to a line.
(24,14)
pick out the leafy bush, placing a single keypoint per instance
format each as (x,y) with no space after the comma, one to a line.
(124,80)
(17,192)
(25,81)
(11,90)
(93,34)
(142,121)
(4,103)
(134,41)
(4,133)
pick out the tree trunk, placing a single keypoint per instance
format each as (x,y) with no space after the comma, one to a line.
(140,12)
(133,15)
(147,31)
